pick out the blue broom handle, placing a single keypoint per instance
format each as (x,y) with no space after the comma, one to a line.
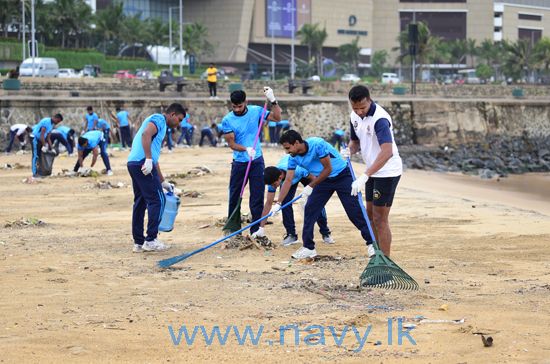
(363,209)
(241,230)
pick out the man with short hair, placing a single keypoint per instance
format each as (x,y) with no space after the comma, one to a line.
(124,127)
(147,179)
(240,128)
(187,130)
(92,142)
(21,132)
(274,178)
(212,79)
(90,119)
(63,135)
(372,134)
(40,139)
(331,174)
(208,132)
(105,127)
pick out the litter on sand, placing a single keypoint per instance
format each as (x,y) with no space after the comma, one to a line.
(24,222)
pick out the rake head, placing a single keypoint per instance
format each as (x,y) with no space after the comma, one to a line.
(382,272)
(233,223)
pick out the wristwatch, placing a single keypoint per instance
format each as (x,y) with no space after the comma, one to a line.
(274,102)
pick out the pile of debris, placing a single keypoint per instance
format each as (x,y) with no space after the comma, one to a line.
(243,242)
(14,166)
(24,222)
(106,185)
(199,171)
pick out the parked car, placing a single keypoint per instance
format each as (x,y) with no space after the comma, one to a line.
(144,74)
(67,73)
(350,77)
(221,75)
(390,78)
(89,71)
(124,74)
(43,67)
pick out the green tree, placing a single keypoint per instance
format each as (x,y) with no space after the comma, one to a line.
(378,62)
(542,53)
(314,38)
(195,42)
(426,50)
(349,53)
(519,59)
(133,31)
(156,33)
(472,50)
(108,26)
(307,37)
(70,19)
(10,13)
(492,53)
(484,72)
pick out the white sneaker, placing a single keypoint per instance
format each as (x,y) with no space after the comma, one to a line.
(370,250)
(289,240)
(155,246)
(109,173)
(137,248)
(328,239)
(304,253)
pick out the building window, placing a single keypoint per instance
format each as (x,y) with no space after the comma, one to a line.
(529,17)
(447,25)
(530,35)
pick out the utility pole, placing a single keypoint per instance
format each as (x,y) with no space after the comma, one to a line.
(170,35)
(23,28)
(292,67)
(181,37)
(33,42)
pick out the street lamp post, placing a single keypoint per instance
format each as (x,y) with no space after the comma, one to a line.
(181,37)
(170,34)
(292,70)
(33,40)
(23,27)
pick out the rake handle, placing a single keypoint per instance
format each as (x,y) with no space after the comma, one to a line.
(254,147)
(177,259)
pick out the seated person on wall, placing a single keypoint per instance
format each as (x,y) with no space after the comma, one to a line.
(63,135)
(22,132)
(92,142)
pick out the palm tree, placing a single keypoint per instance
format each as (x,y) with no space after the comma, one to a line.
(472,50)
(69,17)
(108,24)
(542,53)
(195,39)
(133,31)
(378,62)
(320,37)
(307,37)
(10,12)
(519,60)
(492,53)
(426,50)
(156,32)
(349,53)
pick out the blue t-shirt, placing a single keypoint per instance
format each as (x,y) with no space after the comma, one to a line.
(122,118)
(90,119)
(283,123)
(44,123)
(63,130)
(184,124)
(137,154)
(299,172)
(245,128)
(103,124)
(272,124)
(94,138)
(339,132)
(318,148)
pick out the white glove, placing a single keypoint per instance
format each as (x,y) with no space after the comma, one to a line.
(307,192)
(147,167)
(168,186)
(251,152)
(260,233)
(358,184)
(268,92)
(275,209)
(81,170)
(345,153)
(44,148)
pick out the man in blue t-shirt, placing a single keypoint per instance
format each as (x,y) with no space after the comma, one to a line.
(92,142)
(41,140)
(331,174)
(274,177)
(337,138)
(63,135)
(124,127)
(147,178)
(187,130)
(104,126)
(240,128)
(90,119)
(208,132)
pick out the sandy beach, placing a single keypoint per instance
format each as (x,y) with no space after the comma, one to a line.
(72,290)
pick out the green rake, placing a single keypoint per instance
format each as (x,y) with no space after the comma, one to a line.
(382,272)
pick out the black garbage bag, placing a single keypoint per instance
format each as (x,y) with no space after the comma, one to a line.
(45,163)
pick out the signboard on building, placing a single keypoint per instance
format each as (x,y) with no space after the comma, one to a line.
(282,16)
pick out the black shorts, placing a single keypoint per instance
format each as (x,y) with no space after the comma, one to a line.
(380,190)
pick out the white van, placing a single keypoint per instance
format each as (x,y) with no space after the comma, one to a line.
(390,78)
(43,67)
(469,76)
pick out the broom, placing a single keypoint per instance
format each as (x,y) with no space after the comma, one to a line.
(165,263)
(381,272)
(233,223)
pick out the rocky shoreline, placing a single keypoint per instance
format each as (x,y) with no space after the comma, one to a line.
(493,157)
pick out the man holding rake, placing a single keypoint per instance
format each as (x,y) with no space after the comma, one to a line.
(241,128)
